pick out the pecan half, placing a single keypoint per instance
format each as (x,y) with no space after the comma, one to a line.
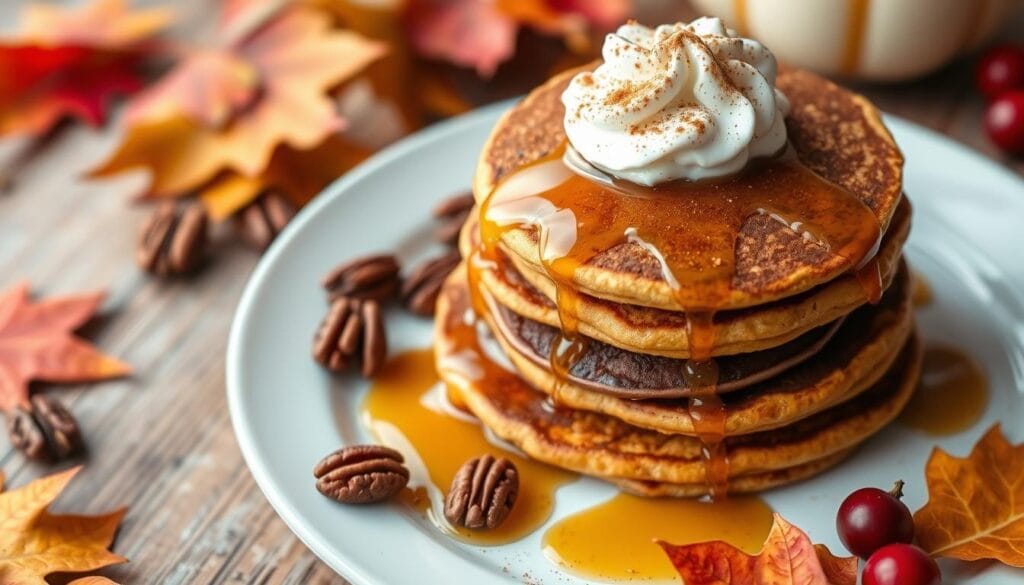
(171,243)
(451,214)
(420,288)
(351,333)
(260,222)
(361,474)
(44,430)
(370,277)
(483,493)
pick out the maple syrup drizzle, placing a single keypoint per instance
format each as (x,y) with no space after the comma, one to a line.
(856,30)
(580,543)
(921,293)
(404,409)
(870,278)
(739,10)
(692,228)
(951,394)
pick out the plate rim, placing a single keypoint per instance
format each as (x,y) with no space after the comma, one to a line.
(245,435)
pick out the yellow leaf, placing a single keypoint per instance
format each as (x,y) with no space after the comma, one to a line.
(975,507)
(298,175)
(35,543)
(229,194)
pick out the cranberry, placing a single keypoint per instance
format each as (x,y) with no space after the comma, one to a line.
(901,564)
(871,518)
(1004,121)
(1001,68)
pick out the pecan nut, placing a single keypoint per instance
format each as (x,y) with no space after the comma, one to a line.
(451,214)
(361,474)
(351,333)
(171,243)
(44,430)
(263,219)
(483,493)
(370,277)
(421,287)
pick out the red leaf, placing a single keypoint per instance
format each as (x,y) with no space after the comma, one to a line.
(36,343)
(71,63)
(470,33)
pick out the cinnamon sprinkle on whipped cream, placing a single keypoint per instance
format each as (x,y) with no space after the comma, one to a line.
(681,101)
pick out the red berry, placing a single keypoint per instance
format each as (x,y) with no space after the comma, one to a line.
(1001,68)
(1004,121)
(901,564)
(871,518)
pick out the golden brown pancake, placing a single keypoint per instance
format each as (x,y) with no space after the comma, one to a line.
(836,133)
(744,484)
(853,360)
(600,445)
(514,284)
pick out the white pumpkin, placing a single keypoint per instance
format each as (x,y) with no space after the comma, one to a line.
(866,39)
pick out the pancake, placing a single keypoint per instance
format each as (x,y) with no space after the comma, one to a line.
(744,484)
(514,284)
(835,133)
(861,351)
(600,445)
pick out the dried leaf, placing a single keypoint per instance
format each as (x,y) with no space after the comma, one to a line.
(68,63)
(209,87)
(469,33)
(36,343)
(93,580)
(298,174)
(481,34)
(788,558)
(35,543)
(975,506)
(297,58)
(109,24)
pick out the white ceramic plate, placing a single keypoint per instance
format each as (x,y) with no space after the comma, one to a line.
(967,240)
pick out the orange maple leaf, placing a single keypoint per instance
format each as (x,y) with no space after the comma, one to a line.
(788,558)
(35,543)
(269,89)
(36,343)
(975,506)
(72,63)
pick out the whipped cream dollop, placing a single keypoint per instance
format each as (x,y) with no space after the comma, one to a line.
(681,101)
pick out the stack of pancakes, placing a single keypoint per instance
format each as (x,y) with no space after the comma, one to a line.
(809,364)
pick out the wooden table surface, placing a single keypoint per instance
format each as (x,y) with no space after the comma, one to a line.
(161,441)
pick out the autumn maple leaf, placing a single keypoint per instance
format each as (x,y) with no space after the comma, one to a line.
(788,558)
(35,543)
(226,109)
(72,63)
(36,343)
(975,507)
(481,34)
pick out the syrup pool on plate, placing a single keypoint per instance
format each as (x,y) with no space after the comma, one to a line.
(616,540)
(407,409)
(951,394)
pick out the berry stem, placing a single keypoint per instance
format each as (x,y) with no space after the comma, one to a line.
(897,489)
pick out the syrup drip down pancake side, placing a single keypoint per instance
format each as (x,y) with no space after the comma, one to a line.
(514,284)
(607,447)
